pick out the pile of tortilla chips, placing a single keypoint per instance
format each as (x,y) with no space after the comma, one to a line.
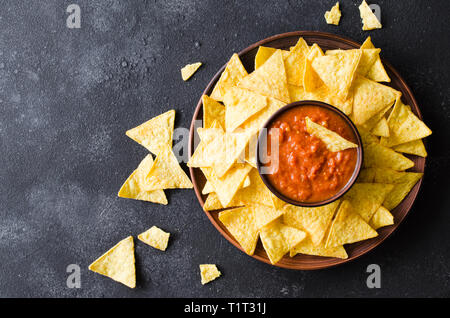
(240,104)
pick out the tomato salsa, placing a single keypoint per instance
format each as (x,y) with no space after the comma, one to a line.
(305,170)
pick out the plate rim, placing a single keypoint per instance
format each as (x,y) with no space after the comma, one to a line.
(372,245)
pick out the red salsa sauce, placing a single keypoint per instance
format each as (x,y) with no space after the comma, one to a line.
(307,170)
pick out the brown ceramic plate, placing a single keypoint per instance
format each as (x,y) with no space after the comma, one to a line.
(326,41)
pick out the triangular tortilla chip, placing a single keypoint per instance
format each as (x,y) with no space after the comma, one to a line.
(208,188)
(166,173)
(315,221)
(366,198)
(233,73)
(133,188)
(156,133)
(323,94)
(118,263)
(155,237)
(269,80)
(263,55)
(348,227)
(368,57)
(310,78)
(278,239)
(381,128)
(240,105)
(212,111)
(369,19)
(404,126)
(255,123)
(334,15)
(264,214)
(415,147)
(338,71)
(189,70)
(374,120)
(308,248)
(377,72)
(382,217)
(332,140)
(376,155)
(295,63)
(241,223)
(369,98)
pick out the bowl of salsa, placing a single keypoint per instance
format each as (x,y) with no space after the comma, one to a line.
(302,167)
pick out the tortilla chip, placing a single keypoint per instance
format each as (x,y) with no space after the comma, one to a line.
(370,98)
(375,119)
(155,237)
(295,63)
(240,105)
(337,71)
(241,223)
(368,58)
(212,111)
(332,140)
(323,94)
(366,136)
(208,272)
(348,227)
(376,155)
(255,193)
(381,218)
(278,238)
(334,15)
(269,80)
(369,19)
(255,123)
(311,80)
(166,173)
(133,188)
(297,93)
(212,202)
(264,215)
(263,55)
(156,133)
(208,188)
(366,198)
(118,263)
(404,126)
(308,248)
(315,221)
(233,73)
(415,147)
(189,70)
(377,72)
(381,128)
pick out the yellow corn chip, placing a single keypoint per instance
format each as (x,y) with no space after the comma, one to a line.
(208,272)
(377,72)
(240,105)
(155,237)
(255,123)
(381,128)
(348,227)
(310,78)
(308,248)
(334,15)
(333,141)
(366,198)
(415,147)
(118,263)
(241,223)
(381,218)
(208,188)
(370,98)
(368,57)
(369,19)
(323,94)
(189,70)
(315,221)
(263,55)
(233,73)
(366,136)
(212,203)
(295,63)
(270,79)
(376,155)
(337,71)
(212,111)
(166,173)
(278,238)
(133,188)
(156,133)
(404,126)
(264,214)
(297,93)
(375,119)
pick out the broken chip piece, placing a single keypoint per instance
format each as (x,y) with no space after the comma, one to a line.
(155,237)
(189,70)
(209,272)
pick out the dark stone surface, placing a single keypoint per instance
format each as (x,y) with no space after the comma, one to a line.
(67,97)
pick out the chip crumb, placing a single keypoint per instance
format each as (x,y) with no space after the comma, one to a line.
(155,237)
(334,15)
(208,272)
(189,70)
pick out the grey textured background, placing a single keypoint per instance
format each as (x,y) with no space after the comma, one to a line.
(67,97)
